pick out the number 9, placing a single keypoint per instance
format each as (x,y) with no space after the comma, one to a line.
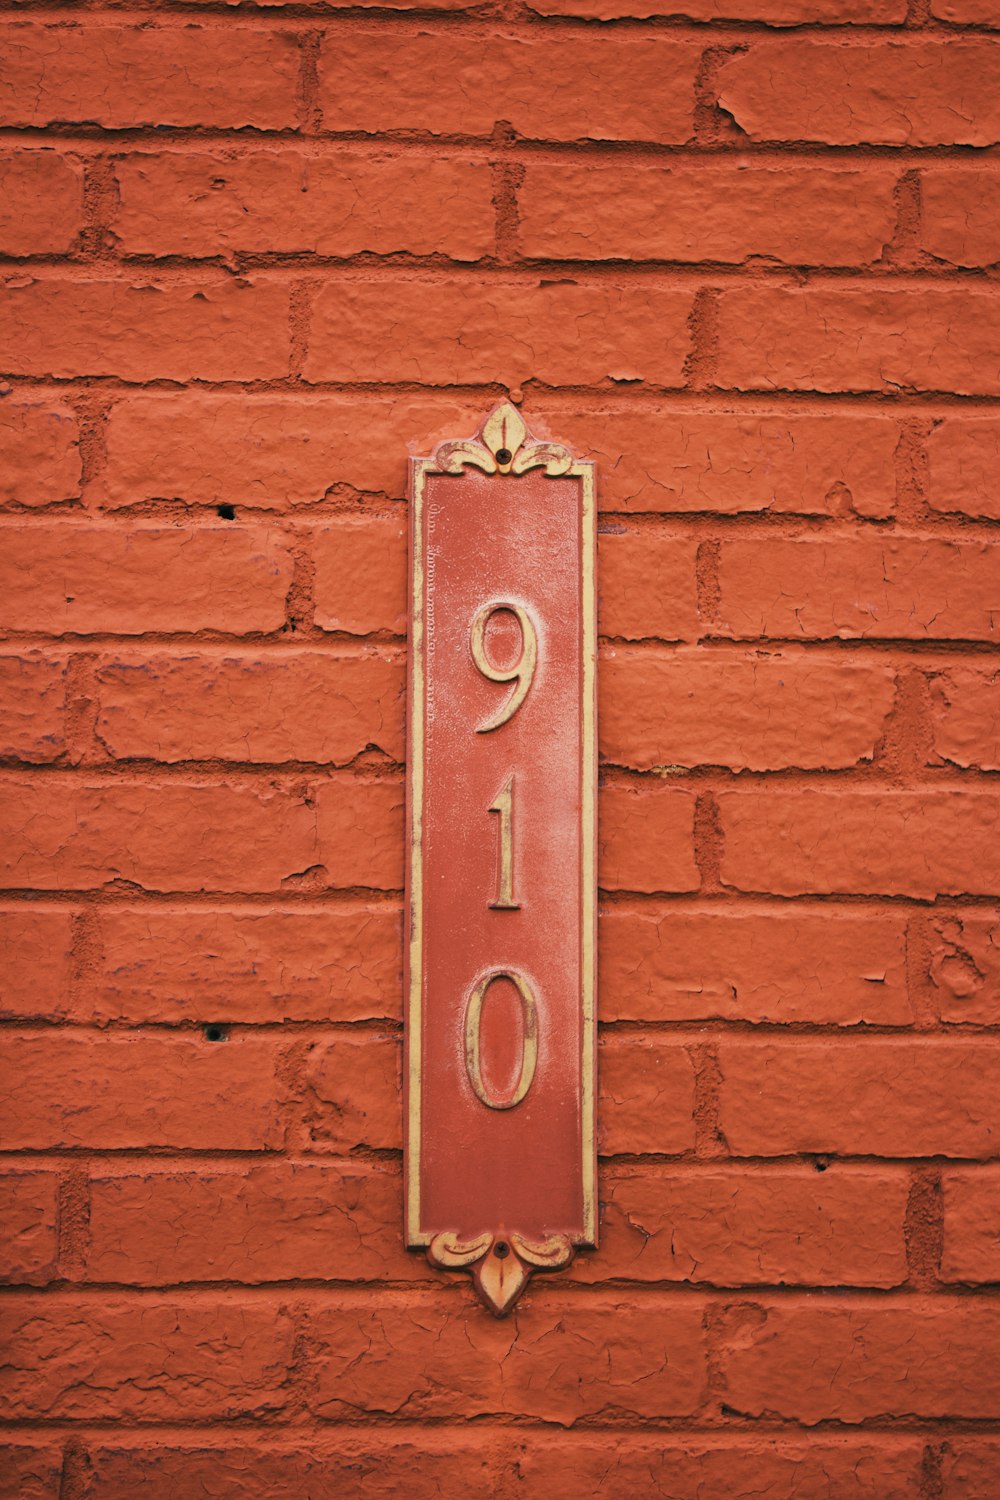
(521,672)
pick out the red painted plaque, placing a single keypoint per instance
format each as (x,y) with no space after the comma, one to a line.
(501,975)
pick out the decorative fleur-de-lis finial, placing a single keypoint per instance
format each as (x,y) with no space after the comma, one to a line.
(503,445)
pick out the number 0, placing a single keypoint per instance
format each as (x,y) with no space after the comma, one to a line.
(529,1043)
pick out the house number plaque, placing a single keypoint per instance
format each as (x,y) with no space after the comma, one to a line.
(500,1059)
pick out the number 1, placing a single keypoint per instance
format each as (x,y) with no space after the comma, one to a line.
(503,805)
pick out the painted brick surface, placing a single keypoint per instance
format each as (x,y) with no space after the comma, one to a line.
(960,454)
(764,965)
(878,93)
(37,974)
(284,202)
(885,1098)
(972,1226)
(755,713)
(316,963)
(805,217)
(281,452)
(144,330)
(620,89)
(32,707)
(961,225)
(122,76)
(833,339)
(39,452)
(908,589)
(255,255)
(29,1207)
(464,332)
(965,966)
(801,1359)
(41,203)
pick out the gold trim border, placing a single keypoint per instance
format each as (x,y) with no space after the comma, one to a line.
(502,431)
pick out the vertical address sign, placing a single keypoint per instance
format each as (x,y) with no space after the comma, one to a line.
(500,1055)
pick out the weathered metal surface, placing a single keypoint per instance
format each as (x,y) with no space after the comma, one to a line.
(500,1172)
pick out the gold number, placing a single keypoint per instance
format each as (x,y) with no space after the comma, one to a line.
(503,805)
(529,1044)
(521,672)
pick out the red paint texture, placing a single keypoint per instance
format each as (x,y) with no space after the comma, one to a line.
(743,253)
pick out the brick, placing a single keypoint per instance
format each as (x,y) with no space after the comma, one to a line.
(646,838)
(704,1467)
(545,87)
(967,12)
(39,453)
(971,1250)
(284,202)
(326,964)
(770,12)
(116,1359)
(74,835)
(126,1093)
(745,1227)
(881,1096)
(808,216)
(251,965)
(426,1358)
(354,1093)
(29,1213)
(278,1221)
(965,718)
(821,338)
(262,1466)
(646,1097)
(173,836)
(960,223)
(872,92)
(251,708)
(910,588)
(270,450)
(646,586)
(30,1469)
(231,330)
(32,703)
(360,828)
(41,202)
(80,579)
(688,462)
(459,331)
(281,452)
(710,1467)
(125,76)
(852,1361)
(35,976)
(963,454)
(251,6)
(970,1466)
(157,1226)
(825,968)
(646,582)
(361,577)
(891,843)
(756,713)
(964,959)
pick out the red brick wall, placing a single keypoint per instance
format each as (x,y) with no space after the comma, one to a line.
(744,254)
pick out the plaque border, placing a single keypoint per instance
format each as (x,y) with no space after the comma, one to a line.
(502,445)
